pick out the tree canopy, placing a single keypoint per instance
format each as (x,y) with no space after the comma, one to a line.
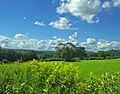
(68,51)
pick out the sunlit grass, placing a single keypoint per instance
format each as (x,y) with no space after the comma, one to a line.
(36,77)
(97,67)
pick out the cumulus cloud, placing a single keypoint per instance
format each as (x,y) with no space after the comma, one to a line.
(62,9)
(61,24)
(116,3)
(20,36)
(91,41)
(73,38)
(85,9)
(39,23)
(100,45)
(19,42)
(90,44)
(106,5)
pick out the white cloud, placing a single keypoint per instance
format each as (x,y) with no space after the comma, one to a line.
(116,3)
(21,42)
(106,5)
(54,37)
(91,41)
(73,38)
(61,24)
(20,36)
(40,23)
(100,45)
(62,9)
(90,44)
(103,44)
(85,9)
(4,39)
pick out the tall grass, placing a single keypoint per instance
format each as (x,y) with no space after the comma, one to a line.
(36,77)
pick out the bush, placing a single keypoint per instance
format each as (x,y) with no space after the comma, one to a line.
(53,78)
(54,59)
(95,58)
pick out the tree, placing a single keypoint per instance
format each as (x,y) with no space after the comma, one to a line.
(80,52)
(65,51)
(45,55)
(68,51)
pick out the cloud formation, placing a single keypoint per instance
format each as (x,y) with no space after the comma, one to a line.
(61,24)
(90,44)
(18,36)
(39,23)
(19,42)
(106,5)
(116,3)
(87,10)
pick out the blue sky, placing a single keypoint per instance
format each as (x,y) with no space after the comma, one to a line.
(43,19)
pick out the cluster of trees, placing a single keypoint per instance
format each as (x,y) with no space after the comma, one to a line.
(64,52)
(10,55)
(69,52)
(111,54)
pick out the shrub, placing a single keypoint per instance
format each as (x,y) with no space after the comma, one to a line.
(54,59)
(95,58)
(54,78)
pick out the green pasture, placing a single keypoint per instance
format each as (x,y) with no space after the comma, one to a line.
(97,67)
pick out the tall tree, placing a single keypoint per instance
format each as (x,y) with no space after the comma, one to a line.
(80,52)
(65,51)
(68,51)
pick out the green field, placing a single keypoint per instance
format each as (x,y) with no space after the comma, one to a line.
(98,67)
(86,67)
(36,77)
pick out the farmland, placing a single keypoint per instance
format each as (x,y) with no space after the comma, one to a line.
(60,77)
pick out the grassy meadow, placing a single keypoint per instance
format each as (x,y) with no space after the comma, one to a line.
(97,67)
(36,77)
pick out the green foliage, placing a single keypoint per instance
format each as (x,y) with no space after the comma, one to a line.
(12,79)
(54,78)
(54,59)
(65,51)
(36,77)
(68,52)
(10,55)
(107,84)
(45,55)
(80,53)
(111,54)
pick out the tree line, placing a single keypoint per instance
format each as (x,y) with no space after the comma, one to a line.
(10,55)
(111,54)
(63,52)
(70,52)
